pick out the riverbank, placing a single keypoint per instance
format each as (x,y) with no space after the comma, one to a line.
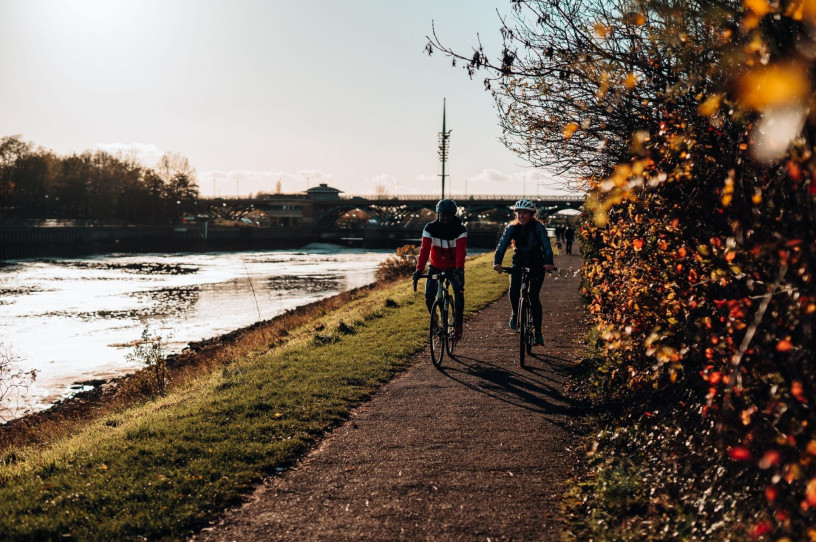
(18,242)
(96,308)
(170,465)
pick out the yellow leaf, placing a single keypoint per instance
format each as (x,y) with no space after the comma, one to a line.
(631,81)
(750,21)
(635,18)
(759,7)
(774,85)
(570,129)
(710,106)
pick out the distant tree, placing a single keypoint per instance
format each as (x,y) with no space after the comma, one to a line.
(156,195)
(93,185)
(180,181)
(34,176)
(72,185)
(12,148)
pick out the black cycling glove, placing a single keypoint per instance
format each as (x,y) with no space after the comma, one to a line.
(459,273)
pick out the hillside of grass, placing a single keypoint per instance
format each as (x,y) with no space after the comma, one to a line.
(164,469)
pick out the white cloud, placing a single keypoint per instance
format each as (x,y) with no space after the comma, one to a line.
(243,181)
(146,154)
(489,176)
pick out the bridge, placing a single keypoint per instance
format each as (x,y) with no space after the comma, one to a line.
(321,213)
(276,221)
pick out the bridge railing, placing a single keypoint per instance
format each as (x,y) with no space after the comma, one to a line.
(474,197)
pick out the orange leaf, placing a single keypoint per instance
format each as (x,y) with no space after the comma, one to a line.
(771,458)
(783,346)
(570,129)
(739,453)
(798,391)
(761,528)
(810,492)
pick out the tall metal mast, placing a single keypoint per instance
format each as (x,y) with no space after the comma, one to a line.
(444,137)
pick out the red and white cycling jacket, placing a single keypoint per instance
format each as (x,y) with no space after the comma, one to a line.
(446,245)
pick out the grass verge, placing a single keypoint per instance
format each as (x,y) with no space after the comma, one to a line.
(165,468)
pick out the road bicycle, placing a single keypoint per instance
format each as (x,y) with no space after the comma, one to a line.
(525,326)
(441,327)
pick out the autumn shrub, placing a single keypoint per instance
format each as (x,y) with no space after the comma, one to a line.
(151,353)
(400,265)
(14,382)
(702,287)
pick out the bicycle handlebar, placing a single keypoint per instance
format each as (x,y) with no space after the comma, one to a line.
(435,276)
(509,270)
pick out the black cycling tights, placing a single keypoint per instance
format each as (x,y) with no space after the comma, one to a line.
(536,280)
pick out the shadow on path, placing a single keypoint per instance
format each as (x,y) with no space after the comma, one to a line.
(525,388)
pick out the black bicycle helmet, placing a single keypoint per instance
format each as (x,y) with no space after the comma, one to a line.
(446,206)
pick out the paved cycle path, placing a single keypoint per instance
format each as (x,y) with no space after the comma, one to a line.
(479,450)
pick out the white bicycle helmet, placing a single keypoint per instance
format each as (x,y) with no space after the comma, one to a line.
(525,204)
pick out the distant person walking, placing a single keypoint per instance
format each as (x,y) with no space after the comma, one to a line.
(559,233)
(444,242)
(569,237)
(531,248)
(559,236)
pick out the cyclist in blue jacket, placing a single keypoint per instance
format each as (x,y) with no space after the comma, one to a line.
(531,248)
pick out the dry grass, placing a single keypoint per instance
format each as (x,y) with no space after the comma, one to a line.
(70,416)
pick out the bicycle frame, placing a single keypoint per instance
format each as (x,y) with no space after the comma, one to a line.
(526,327)
(441,324)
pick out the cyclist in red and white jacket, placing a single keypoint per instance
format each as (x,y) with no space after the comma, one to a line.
(444,242)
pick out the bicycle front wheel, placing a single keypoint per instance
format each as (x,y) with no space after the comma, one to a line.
(438,333)
(530,333)
(449,344)
(523,330)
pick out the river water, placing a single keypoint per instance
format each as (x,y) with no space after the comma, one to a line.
(75,320)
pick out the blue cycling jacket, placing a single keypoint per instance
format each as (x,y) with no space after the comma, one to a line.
(531,245)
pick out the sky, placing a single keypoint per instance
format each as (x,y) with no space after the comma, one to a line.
(256,92)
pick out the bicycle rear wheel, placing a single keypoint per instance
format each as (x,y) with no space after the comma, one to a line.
(438,333)
(449,344)
(523,330)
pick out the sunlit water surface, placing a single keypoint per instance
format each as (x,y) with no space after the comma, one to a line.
(75,320)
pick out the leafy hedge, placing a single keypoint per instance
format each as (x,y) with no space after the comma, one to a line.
(701,286)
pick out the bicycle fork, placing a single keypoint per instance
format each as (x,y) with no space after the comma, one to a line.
(442,297)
